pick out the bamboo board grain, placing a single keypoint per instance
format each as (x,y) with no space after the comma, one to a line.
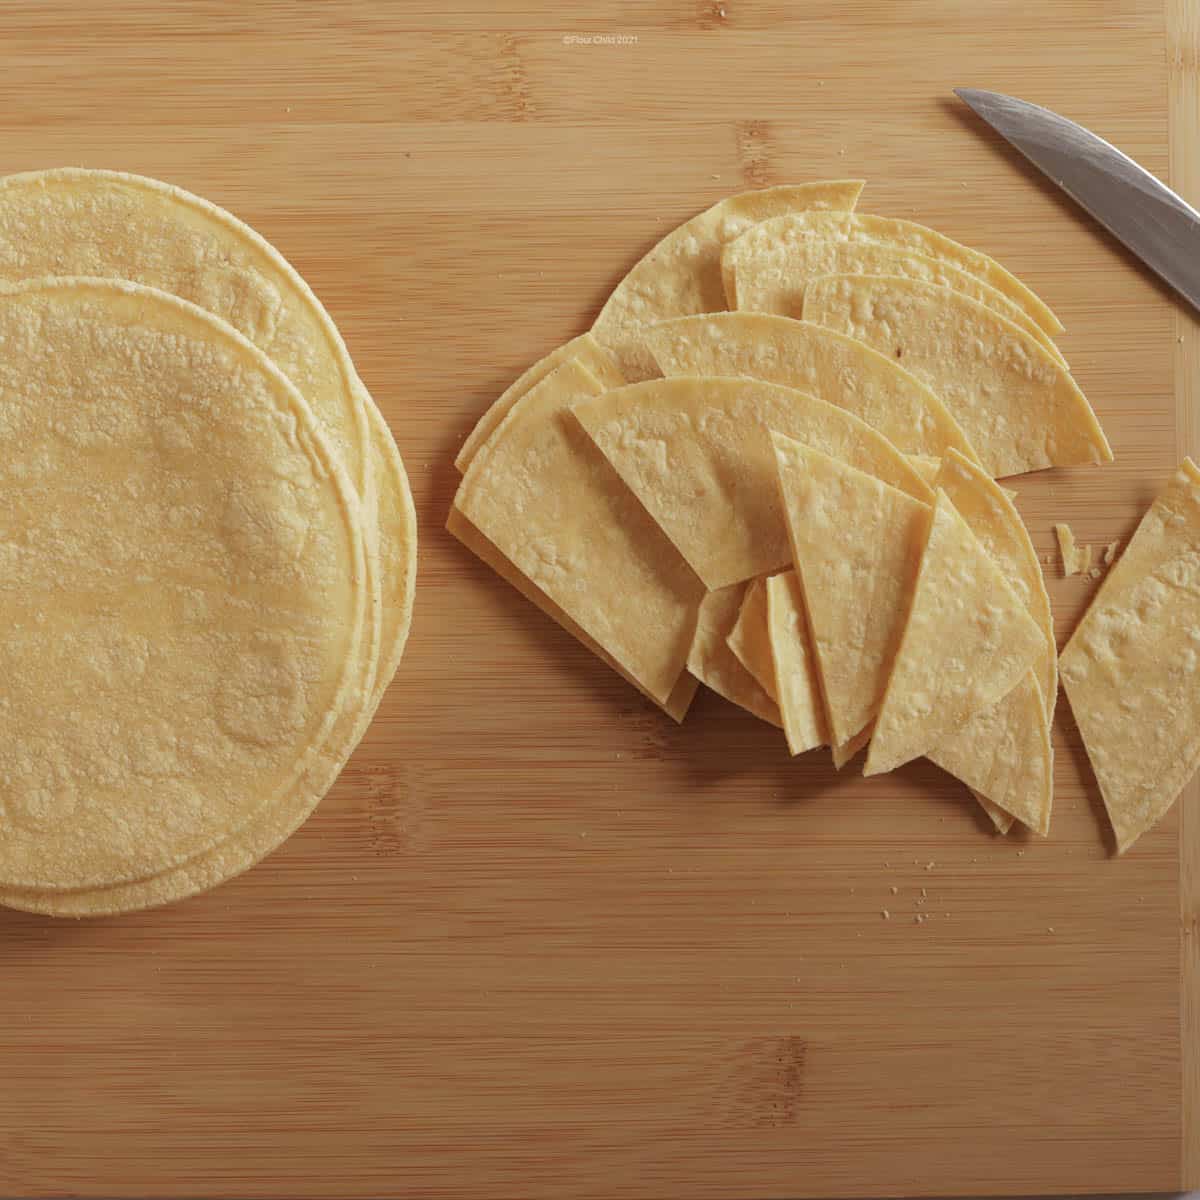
(538,940)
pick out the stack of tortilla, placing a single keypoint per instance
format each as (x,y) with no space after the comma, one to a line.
(207,545)
(770,467)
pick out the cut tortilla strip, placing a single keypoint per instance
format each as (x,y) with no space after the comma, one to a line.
(681,696)
(682,274)
(1018,406)
(1003,755)
(1000,819)
(585,348)
(856,543)
(716,666)
(697,453)
(767,269)
(829,365)
(799,691)
(847,750)
(778,233)
(993,518)
(750,640)
(548,500)
(967,642)
(1130,669)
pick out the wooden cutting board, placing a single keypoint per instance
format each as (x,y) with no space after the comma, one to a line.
(540,941)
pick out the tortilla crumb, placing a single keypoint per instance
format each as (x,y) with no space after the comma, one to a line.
(1110,551)
(883,912)
(1076,559)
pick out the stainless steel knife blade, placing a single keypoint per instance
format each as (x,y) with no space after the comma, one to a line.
(1143,213)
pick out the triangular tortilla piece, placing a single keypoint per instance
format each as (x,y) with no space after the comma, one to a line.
(545,497)
(1130,669)
(847,750)
(750,640)
(799,691)
(716,666)
(988,509)
(1003,754)
(899,236)
(697,453)
(856,542)
(967,642)
(926,467)
(585,348)
(837,369)
(682,274)
(1000,819)
(768,276)
(1019,407)
(680,699)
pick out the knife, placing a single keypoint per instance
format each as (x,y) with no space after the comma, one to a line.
(1140,211)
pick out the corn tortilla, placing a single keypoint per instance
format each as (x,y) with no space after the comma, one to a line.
(750,639)
(682,273)
(799,694)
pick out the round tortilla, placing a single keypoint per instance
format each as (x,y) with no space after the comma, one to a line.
(185,584)
(73,221)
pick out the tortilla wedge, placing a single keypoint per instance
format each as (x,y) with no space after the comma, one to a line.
(716,666)
(1129,670)
(856,542)
(1002,753)
(988,509)
(967,642)
(768,276)
(585,348)
(900,236)
(676,704)
(750,640)
(682,274)
(543,495)
(1019,407)
(799,691)
(697,453)
(836,368)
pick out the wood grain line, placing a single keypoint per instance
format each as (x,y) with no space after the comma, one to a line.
(1183,48)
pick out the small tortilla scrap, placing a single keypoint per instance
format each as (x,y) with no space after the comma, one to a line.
(676,704)
(585,348)
(1110,552)
(966,644)
(988,509)
(697,453)
(682,273)
(768,267)
(856,542)
(1003,755)
(1130,669)
(800,702)
(831,366)
(716,666)
(1020,408)
(750,640)
(543,495)
(1076,559)
(904,237)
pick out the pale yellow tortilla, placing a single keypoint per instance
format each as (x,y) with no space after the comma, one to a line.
(1018,406)
(796,678)
(843,753)
(682,273)
(1002,821)
(967,642)
(73,221)
(899,236)
(856,543)
(750,640)
(681,696)
(716,666)
(585,348)
(767,269)
(1130,669)
(993,518)
(548,500)
(697,453)
(813,359)
(1002,753)
(186,585)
